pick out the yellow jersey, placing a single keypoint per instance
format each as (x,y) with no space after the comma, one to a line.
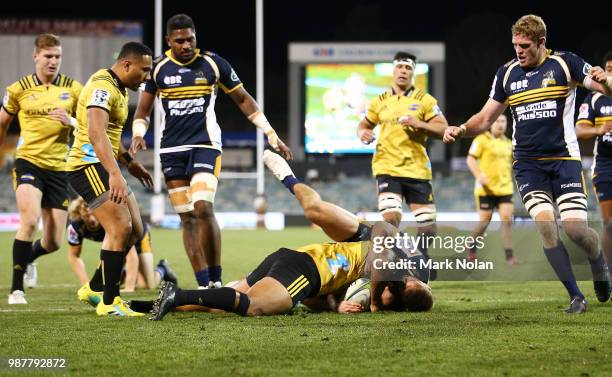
(339,263)
(494,155)
(105,91)
(400,151)
(43,140)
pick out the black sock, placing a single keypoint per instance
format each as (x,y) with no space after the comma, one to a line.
(141,306)
(21,255)
(508,253)
(598,268)
(37,251)
(96,283)
(112,262)
(223,298)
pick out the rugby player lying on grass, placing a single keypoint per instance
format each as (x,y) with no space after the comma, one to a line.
(287,277)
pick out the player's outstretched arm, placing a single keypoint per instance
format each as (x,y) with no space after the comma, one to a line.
(251,110)
(141,121)
(478,123)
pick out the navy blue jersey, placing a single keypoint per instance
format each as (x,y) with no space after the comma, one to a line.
(187,92)
(595,111)
(542,103)
(77,231)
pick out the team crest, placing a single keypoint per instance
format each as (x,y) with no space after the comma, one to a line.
(413,107)
(549,79)
(64,96)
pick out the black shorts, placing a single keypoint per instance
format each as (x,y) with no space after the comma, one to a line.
(417,191)
(490,202)
(296,271)
(53,184)
(91,182)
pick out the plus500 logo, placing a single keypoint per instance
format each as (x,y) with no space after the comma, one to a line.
(186,106)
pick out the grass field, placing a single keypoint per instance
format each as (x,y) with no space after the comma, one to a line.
(474,329)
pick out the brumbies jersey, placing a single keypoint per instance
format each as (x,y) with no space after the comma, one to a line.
(400,152)
(43,140)
(103,90)
(78,230)
(597,111)
(339,263)
(187,92)
(542,104)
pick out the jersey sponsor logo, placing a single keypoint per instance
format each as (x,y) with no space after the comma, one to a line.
(532,73)
(184,70)
(100,97)
(606,110)
(413,107)
(234,76)
(90,153)
(607,138)
(517,85)
(340,262)
(583,112)
(171,80)
(64,96)
(186,106)
(538,110)
(549,79)
(524,186)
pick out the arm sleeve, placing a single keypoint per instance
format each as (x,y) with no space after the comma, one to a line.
(586,113)
(497,88)
(579,69)
(476,148)
(74,238)
(430,108)
(372,113)
(228,79)
(10,103)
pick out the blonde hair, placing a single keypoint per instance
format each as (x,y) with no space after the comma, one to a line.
(531,26)
(46,40)
(74,209)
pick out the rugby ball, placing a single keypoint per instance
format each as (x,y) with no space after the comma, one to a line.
(359,292)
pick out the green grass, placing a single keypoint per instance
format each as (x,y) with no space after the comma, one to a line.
(474,329)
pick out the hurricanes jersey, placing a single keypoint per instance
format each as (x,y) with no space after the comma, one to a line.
(103,90)
(400,152)
(187,93)
(596,111)
(339,263)
(494,155)
(43,140)
(542,103)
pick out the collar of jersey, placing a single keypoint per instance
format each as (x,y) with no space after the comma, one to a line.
(116,79)
(548,52)
(38,81)
(195,56)
(406,93)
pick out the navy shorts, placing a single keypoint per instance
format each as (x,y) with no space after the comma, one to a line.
(183,165)
(603,190)
(556,177)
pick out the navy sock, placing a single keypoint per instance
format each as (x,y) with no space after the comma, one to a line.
(289,182)
(560,262)
(215,273)
(202,277)
(598,268)
(21,255)
(37,251)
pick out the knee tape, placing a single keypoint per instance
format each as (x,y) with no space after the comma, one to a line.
(572,205)
(537,202)
(204,187)
(180,198)
(389,202)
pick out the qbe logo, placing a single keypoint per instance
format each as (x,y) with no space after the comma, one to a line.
(171,80)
